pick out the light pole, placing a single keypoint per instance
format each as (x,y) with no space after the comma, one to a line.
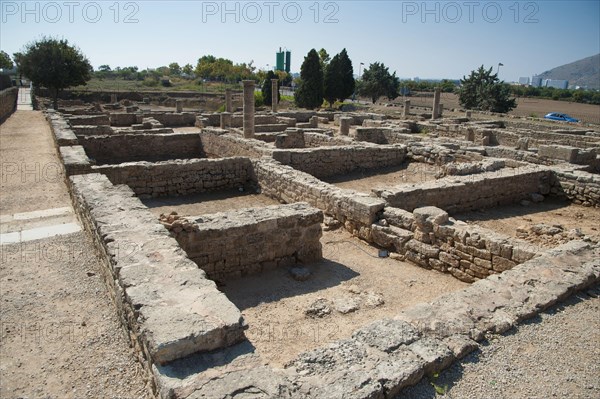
(498,70)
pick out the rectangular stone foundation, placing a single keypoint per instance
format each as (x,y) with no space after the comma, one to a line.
(171,309)
(464,193)
(234,244)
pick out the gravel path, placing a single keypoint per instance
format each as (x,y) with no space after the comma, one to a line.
(60,336)
(554,355)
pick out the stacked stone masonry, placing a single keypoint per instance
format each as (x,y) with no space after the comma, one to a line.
(142,147)
(472,192)
(181,177)
(170,307)
(248,241)
(578,186)
(340,160)
(428,238)
(289,185)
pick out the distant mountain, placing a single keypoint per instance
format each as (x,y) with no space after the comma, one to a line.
(584,73)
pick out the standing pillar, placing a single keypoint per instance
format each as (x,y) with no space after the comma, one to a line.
(179,106)
(345,125)
(406,108)
(113,98)
(436,103)
(274,94)
(440,110)
(228,101)
(248,108)
(225,120)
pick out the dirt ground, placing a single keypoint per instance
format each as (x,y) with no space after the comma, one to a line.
(273,303)
(206,203)
(32,170)
(413,172)
(553,211)
(60,336)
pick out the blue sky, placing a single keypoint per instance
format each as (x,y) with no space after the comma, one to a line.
(434,39)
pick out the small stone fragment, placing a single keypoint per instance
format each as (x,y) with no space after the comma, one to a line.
(318,308)
(300,273)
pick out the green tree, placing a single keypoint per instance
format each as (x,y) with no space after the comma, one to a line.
(482,90)
(377,82)
(332,84)
(447,86)
(267,94)
(175,69)
(324,58)
(5,61)
(348,84)
(310,89)
(55,64)
(339,82)
(188,69)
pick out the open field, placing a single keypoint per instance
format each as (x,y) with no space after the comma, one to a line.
(533,107)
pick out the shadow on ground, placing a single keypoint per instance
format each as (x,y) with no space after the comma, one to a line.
(274,285)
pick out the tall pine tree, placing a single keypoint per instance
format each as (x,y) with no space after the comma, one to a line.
(332,84)
(348,84)
(482,90)
(339,81)
(310,90)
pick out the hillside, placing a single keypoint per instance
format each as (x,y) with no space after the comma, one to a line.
(585,72)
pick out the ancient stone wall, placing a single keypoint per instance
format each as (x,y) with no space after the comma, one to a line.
(578,186)
(142,147)
(8,102)
(76,120)
(339,160)
(125,119)
(289,185)
(61,129)
(238,243)
(510,138)
(93,130)
(465,193)
(172,119)
(319,140)
(220,143)
(435,154)
(169,306)
(518,155)
(426,237)
(567,154)
(181,177)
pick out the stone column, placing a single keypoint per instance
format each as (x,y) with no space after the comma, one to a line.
(440,110)
(248,108)
(436,103)
(468,114)
(178,105)
(274,94)
(228,102)
(314,121)
(225,120)
(113,98)
(406,108)
(345,123)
